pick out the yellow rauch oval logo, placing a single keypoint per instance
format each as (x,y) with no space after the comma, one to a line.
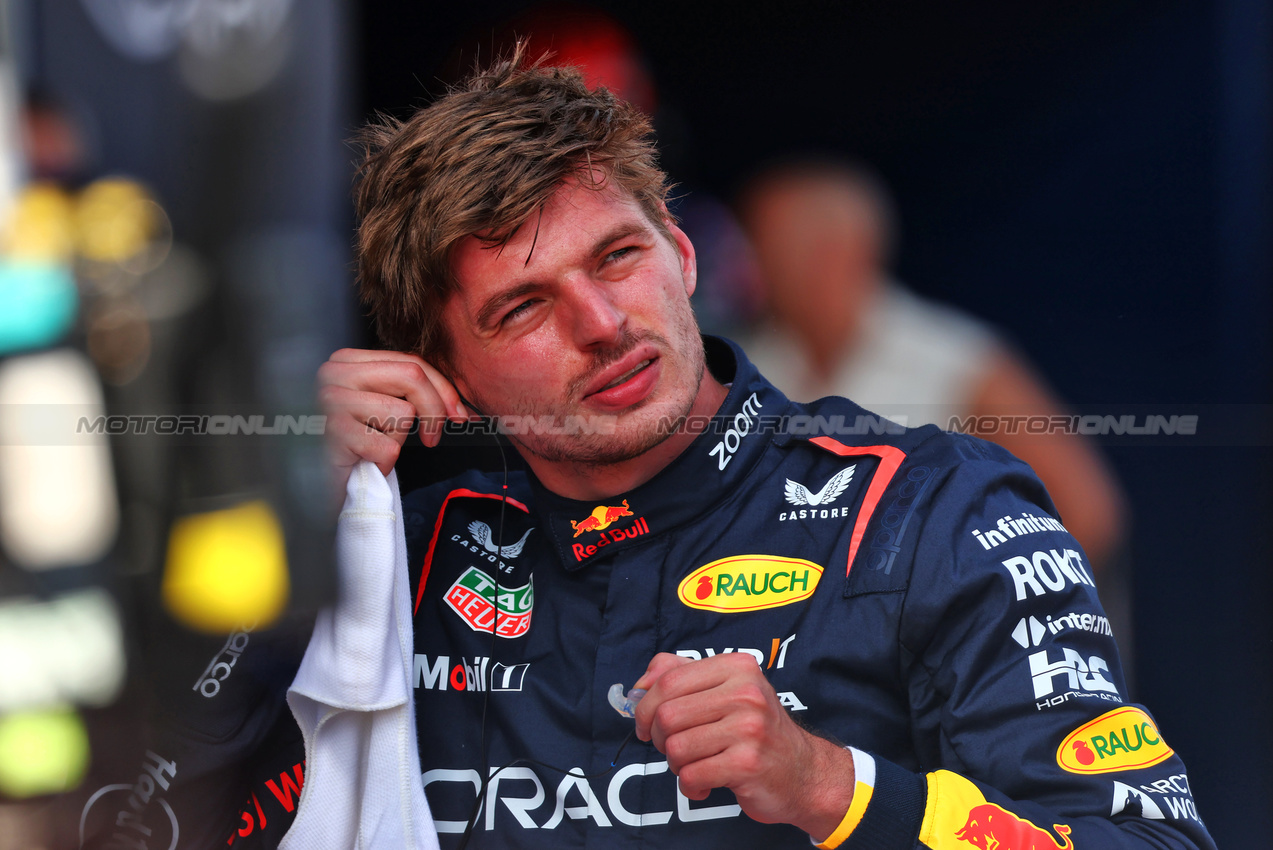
(749,583)
(1122,739)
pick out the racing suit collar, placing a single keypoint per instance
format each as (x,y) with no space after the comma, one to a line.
(709,470)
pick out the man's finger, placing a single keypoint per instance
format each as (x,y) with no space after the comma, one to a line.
(397,374)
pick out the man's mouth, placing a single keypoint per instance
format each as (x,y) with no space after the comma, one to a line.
(625,376)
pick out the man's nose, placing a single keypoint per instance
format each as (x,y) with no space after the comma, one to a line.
(597,319)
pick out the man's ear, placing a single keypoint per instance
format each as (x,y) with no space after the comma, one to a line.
(689,260)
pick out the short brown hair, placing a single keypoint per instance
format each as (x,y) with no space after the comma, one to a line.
(479,162)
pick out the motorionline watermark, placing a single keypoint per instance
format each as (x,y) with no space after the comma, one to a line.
(797,425)
(216,425)
(580,425)
(1091,424)
(813,425)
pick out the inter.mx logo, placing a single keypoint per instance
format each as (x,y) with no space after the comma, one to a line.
(474,597)
(1030,631)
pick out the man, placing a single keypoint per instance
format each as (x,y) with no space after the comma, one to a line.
(837,323)
(880,638)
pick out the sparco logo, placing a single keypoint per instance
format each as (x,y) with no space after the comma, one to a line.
(1078,674)
(724,450)
(473,597)
(477,675)
(222,664)
(887,542)
(1047,572)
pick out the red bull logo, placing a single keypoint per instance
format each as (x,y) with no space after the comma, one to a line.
(991,827)
(601,518)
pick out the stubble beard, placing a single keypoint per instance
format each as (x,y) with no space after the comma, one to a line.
(588,440)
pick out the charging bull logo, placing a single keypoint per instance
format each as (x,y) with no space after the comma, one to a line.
(991,827)
(601,518)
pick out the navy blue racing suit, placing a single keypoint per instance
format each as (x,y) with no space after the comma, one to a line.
(910,593)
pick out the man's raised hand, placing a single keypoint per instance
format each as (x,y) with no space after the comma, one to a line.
(373,398)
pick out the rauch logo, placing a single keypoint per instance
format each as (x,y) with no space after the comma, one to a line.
(473,597)
(749,583)
(1122,739)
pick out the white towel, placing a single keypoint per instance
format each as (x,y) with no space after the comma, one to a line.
(352,696)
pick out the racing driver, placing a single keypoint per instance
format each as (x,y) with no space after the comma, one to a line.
(833,629)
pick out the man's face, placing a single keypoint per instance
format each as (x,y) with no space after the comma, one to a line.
(583,313)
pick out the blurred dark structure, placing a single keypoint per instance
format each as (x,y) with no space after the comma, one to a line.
(1093,178)
(233,116)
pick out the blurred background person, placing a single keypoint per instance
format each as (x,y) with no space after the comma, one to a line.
(836,323)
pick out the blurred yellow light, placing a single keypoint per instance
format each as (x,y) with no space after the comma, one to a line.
(41,225)
(226,568)
(116,219)
(42,752)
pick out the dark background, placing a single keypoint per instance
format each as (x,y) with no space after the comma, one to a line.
(1094,178)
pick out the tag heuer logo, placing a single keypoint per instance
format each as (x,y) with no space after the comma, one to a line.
(798,494)
(473,597)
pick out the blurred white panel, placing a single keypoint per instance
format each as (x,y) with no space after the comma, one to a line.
(142,30)
(58,504)
(66,650)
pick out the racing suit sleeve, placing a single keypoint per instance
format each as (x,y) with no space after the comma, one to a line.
(1017,698)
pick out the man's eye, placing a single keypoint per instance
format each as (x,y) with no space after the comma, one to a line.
(518,310)
(614,256)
